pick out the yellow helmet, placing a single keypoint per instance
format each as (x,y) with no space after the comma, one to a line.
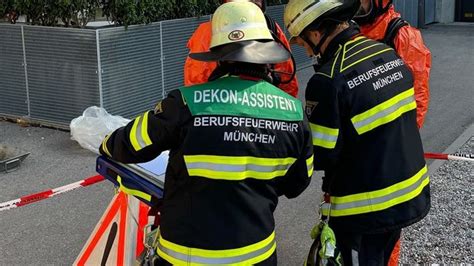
(240,33)
(238,21)
(299,14)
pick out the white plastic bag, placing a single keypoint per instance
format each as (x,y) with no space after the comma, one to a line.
(92,127)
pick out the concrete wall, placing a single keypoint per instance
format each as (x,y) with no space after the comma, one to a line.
(445,10)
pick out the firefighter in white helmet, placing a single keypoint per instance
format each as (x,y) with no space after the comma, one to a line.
(236,144)
(197,72)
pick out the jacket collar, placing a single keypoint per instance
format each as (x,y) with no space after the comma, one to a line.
(344,36)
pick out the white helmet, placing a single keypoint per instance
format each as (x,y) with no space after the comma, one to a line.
(240,33)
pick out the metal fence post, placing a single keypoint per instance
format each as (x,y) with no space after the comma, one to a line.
(421,14)
(99,68)
(162,59)
(25,66)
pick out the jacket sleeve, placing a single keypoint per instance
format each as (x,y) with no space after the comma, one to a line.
(197,72)
(409,45)
(286,67)
(323,110)
(146,136)
(299,175)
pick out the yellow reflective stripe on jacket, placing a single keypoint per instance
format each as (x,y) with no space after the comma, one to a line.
(385,112)
(324,136)
(237,167)
(379,199)
(248,255)
(139,133)
(357,44)
(133,192)
(344,68)
(104,145)
(363,49)
(310,165)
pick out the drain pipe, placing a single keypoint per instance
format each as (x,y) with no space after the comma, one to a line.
(421,14)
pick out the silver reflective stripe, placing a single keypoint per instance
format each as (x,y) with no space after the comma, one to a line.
(238,167)
(322,136)
(138,133)
(385,112)
(219,261)
(355,257)
(373,201)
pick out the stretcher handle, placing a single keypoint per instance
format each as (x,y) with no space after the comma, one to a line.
(12,161)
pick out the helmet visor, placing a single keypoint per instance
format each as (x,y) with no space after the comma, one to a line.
(256,52)
(364,10)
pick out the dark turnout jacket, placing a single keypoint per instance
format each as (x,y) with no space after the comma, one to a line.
(362,114)
(235,146)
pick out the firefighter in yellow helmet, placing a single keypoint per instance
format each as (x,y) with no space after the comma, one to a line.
(378,20)
(236,144)
(362,113)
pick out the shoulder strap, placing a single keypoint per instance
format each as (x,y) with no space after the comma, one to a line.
(272,26)
(393,27)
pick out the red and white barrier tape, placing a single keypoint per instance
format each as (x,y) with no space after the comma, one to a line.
(98,178)
(49,193)
(455,156)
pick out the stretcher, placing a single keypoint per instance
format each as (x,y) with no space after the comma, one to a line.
(148,178)
(124,235)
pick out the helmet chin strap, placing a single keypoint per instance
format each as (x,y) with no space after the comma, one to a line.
(316,48)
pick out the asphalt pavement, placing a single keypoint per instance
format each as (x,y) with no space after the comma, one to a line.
(53,231)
